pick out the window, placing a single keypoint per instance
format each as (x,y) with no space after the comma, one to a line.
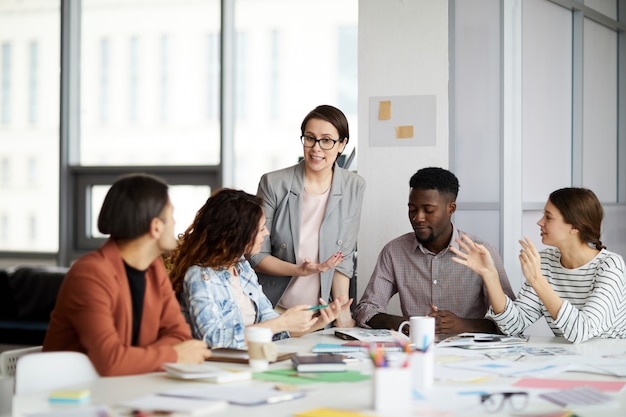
(33,80)
(32,227)
(347,69)
(4,229)
(144,94)
(104,81)
(33,172)
(151,83)
(134,78)
(165,47)
(29,123)
(285,67)
(240,68)
(274,74)
(6,83)
(5,172)
(213,77)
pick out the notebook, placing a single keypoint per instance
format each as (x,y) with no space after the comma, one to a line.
(319,363)
(206,372)
(240,355)
(352,347)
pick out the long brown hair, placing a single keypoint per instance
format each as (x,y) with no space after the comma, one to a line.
(220,234)
(581,208)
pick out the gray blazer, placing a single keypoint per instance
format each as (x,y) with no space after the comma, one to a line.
(282,195)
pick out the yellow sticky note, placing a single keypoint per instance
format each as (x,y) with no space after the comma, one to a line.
(69,396)
(404,132)
(328,412)
(384,110)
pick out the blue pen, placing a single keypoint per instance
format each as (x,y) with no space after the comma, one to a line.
(318,307)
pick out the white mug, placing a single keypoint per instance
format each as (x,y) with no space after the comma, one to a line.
(422,331)
(261,350)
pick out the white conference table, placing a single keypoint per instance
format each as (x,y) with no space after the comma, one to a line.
(355,396)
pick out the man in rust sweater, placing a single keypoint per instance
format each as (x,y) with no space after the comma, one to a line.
(116,304)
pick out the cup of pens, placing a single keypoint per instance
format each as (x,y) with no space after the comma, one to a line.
(393,390)
(422,336)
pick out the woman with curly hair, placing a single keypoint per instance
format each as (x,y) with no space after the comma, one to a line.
(218,289)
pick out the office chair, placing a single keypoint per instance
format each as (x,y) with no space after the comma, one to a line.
(8,359)
(47,371)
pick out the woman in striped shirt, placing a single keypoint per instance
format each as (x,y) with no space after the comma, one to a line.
(577,285)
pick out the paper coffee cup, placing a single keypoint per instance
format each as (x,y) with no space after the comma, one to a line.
(261,350)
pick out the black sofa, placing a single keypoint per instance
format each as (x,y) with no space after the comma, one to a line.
(27,297)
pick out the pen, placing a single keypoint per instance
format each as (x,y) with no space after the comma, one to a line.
(318,307)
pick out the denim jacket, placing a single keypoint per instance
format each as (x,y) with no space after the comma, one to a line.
(211,309)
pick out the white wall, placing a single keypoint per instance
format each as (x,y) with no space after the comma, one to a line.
(403,50)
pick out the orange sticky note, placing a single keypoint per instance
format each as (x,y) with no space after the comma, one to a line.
(404,132)
(384,110)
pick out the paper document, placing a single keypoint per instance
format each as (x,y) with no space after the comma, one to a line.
(578,396)
(482,341)
(162,404)
(371,335)
(240,395)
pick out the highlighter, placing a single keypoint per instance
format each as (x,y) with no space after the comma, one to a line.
(318,307)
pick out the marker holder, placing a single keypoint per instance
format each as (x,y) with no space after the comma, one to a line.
(393,390)
(422,365)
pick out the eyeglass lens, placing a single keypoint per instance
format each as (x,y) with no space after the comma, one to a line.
(494,402)
(325,143)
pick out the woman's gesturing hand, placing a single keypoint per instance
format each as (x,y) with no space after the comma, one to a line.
(530,260)
(474,256)
(308,267)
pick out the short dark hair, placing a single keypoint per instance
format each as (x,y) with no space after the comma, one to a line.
(581,208)
(332,115)
(131,203)
(433,178)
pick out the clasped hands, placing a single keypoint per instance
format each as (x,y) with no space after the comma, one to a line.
(446,322)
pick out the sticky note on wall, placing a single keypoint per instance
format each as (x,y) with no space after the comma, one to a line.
(404,132)
(384,110)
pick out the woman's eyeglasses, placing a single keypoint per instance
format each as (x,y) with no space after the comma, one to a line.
(494,402)
(325,143)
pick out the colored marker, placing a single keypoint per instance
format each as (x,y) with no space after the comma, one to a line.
(318,307)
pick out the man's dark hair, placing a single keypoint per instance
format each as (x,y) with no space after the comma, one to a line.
(433,178)
(130,205)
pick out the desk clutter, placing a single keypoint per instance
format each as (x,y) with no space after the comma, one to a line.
(385,375)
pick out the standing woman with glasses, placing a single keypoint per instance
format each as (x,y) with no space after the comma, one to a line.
(312,210)
(577,285)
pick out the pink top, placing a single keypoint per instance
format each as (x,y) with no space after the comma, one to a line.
(306,290)
(244,303)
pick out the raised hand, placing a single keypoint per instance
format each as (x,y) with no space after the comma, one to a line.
(473,255)
(530,261)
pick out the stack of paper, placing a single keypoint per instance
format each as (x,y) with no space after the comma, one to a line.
(240,395)
(482,341)
(205,372)
(162,404)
